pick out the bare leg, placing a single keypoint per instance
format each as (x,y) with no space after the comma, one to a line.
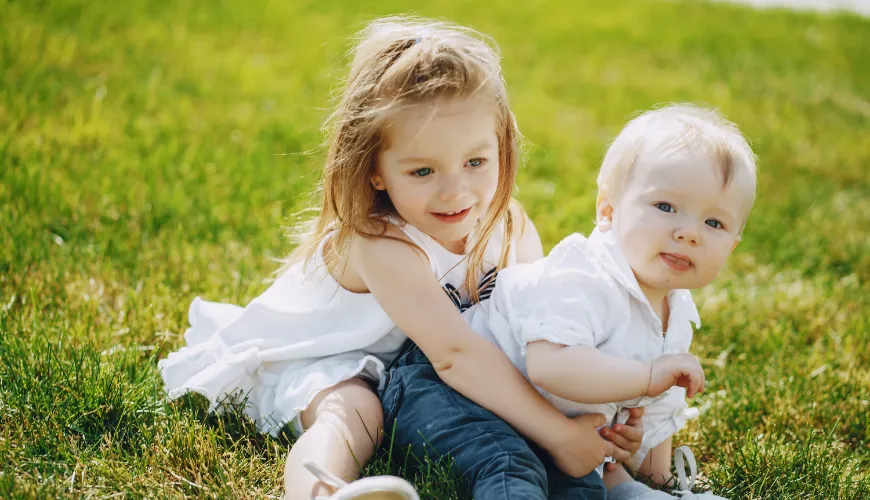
(621,486)
(343,428)
(617,476)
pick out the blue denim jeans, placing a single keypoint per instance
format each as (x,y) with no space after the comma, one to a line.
(424,414)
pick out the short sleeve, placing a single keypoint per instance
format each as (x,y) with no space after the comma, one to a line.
(570,300)
(661,420)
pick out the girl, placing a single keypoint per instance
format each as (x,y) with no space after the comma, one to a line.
(416,197)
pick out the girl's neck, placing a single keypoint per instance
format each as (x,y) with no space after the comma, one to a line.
(454,247)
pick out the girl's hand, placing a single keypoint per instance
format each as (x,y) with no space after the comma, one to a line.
(669,370)
(628,436)
(577,449)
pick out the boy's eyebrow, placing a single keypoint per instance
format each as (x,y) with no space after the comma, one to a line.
(658,190)
(716,210)
(720,211)
(421,159)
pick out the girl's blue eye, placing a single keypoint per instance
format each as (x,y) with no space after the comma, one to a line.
(714,224)
(665,207)
(476,162)
(422,172)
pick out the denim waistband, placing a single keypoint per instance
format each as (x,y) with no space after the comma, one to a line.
(409,354)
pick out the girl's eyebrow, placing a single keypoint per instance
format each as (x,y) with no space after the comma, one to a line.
(415,159)
(419,159)
(480,147)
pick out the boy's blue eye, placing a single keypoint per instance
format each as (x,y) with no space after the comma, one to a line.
(714,224)
(422,172)
(476,162)
(665,207)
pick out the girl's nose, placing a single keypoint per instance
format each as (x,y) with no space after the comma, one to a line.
(452,187)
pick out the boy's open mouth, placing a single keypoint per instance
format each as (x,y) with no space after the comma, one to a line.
(677,262)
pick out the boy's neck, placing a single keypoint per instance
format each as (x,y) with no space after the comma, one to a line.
(658,299)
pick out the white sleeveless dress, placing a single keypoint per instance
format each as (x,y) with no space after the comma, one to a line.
(304,334)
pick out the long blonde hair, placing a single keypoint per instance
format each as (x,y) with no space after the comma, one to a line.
(400,61)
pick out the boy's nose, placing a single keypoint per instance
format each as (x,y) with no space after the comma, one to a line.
(687,234)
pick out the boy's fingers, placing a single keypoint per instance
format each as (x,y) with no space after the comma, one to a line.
(614,437)
(629,432)
(620,455)
(695,384)
(635,413)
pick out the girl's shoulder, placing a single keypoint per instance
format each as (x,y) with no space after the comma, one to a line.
(386,241)
(526,240)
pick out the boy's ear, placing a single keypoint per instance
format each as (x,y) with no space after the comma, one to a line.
(603,211)
(736,242)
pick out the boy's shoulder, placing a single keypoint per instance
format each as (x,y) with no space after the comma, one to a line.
(577,253)
(575,242)
(577,250)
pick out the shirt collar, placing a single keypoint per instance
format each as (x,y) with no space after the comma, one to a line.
(606,250)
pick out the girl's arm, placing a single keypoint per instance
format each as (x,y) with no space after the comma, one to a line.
(401,279)
(529,248)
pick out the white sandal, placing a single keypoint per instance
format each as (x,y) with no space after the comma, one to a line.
(681,455)
(367,488)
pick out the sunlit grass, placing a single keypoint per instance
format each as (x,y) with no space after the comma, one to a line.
(153,152)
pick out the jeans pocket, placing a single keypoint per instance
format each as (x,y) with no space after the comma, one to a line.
(392,398)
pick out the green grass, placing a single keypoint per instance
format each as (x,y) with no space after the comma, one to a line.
(152,151)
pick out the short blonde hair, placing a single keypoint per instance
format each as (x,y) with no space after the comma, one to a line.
(673,131)
(400,62)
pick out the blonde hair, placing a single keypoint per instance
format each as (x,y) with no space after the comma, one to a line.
(673,131)
(400,61)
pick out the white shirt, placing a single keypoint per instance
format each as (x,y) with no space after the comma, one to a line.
(304,334)
(585,293)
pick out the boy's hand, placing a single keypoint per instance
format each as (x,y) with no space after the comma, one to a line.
(627,436)
(578,449)
(683,370)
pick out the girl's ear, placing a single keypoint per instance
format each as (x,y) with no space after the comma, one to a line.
(603,211)
(378,182)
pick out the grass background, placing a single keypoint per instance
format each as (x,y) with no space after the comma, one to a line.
(151,152)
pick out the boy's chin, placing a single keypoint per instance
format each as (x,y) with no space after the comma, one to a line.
(664,282)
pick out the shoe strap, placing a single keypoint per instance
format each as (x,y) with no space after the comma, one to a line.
(682,455)
(323,475)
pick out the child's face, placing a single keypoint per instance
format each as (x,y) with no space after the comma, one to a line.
(676,224)
(440,167)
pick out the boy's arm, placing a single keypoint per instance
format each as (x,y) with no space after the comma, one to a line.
(585,374)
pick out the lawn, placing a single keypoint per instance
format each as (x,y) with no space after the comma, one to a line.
(151,152)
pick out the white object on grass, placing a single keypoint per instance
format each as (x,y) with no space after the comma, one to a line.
(380,487)
(682,455)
